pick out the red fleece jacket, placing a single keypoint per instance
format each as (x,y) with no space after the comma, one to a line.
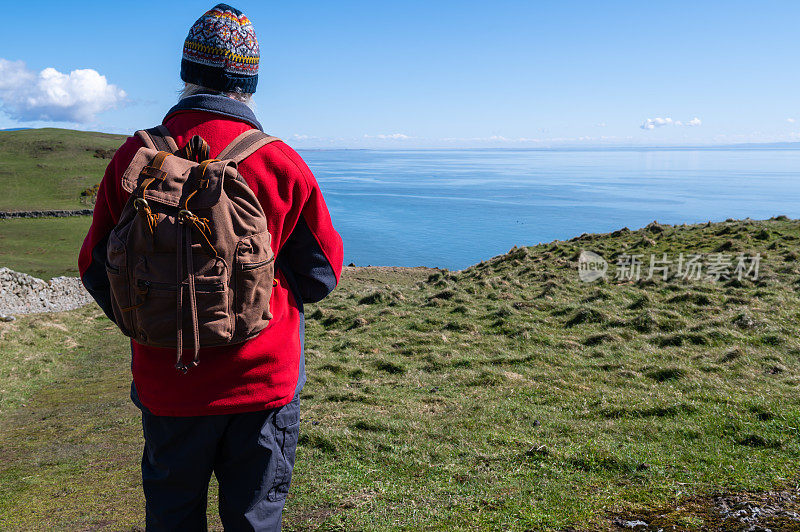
(263,372)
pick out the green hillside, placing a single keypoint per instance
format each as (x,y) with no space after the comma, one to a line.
(507,396)
(43,169)
(43,247)
(48,168)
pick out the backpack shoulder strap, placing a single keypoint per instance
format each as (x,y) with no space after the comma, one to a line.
(158,138)
(245,145)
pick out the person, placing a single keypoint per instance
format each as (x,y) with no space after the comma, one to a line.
(236,414)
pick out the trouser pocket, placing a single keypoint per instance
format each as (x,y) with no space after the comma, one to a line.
(287,431)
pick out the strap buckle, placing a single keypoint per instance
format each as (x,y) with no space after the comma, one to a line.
(141,203)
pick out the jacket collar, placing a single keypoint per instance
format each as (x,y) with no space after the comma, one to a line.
(217,104)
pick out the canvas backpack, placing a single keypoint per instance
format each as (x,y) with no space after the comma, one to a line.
(191,250)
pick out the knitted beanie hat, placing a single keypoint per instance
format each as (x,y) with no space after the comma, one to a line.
(221,51)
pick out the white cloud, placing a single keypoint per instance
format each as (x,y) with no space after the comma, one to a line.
(791,120)
(652,123)
(14,74)
(54,96)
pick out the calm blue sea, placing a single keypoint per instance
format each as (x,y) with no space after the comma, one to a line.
(453,208)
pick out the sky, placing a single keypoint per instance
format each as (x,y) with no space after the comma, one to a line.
(428,74)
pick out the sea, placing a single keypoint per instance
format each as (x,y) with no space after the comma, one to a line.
(454,208)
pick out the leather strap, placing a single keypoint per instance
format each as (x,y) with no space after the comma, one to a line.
(151,172)
(192,297)
(245,145)
(179,365)
(185,242)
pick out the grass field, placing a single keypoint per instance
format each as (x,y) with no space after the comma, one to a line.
(43,247)
(48,168)
(42,169)
(507,396)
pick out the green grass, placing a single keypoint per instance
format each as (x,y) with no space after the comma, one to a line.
(43,247)
(70,438)
(48,168)
(507,396)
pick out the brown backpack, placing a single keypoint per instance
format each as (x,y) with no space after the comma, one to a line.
(191,249)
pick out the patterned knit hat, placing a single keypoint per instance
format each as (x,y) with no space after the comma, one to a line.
(221,51)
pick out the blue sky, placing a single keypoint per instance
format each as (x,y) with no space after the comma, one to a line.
(428,74)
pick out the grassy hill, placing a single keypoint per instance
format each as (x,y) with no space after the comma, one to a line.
(48,168)
(507,396)
(43,247)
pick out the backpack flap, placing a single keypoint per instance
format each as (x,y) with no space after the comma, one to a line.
(181,177)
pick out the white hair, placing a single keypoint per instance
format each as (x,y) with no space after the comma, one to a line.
(190,89)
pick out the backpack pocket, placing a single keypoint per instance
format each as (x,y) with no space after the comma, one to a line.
(254,272)
(157,316)
(117,273)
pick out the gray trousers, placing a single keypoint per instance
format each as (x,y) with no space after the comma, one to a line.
(251,454)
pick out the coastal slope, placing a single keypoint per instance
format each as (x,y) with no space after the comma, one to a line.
(509,395)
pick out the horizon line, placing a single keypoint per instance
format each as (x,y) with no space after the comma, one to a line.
(774,145)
